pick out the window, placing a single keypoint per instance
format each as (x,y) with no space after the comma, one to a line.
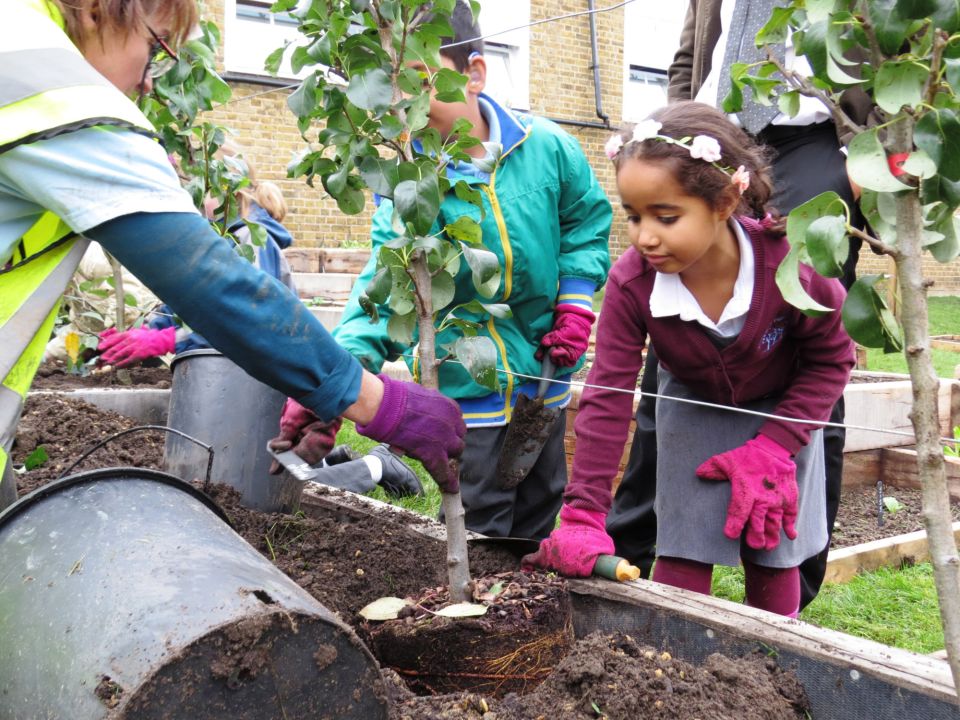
(646,91)
(651,33)
(507,53)
(252,32)
(506,83)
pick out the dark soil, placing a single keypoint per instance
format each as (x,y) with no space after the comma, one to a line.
(54,376)
(857,517)
(346,563)
(615,677)
(66,428)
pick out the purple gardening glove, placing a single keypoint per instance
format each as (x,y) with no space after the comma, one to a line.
(310,437)
(570,336)
(136,344)
(423,424)
(572,548)
(763,492)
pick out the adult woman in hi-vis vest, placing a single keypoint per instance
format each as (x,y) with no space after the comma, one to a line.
(78,160)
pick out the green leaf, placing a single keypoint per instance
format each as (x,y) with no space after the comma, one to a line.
(498,310)
(37,458)
(827,245)
(418,202)
(274,59)
(800,218)
(401,297)
(479,356)
(948,248)
(891,504)
(879,209)
(914,9)
(898,84)
(939,188)
(378,289)
(129,299)
(465,229)
(920,165)
(371,91)
(351,201)
(937,133)
(867,318)
(788,280)
(418,114)
(369,307)
(946,16)
(890,27)
(485,267)
(867,164)
(789,103)
(812,43)
(776,28)
(442,290)
(400,327)
(258,233)
(381,176)
(424,47)
(467,193)
(303,101)
(450,85)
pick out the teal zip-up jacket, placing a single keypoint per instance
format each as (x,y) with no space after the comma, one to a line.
(548,221)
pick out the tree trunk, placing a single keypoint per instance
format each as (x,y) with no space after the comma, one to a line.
(458,563)
(926,424)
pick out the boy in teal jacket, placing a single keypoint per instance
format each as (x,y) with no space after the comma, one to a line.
(548,221)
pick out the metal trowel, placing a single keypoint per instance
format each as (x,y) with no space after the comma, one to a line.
(530,426)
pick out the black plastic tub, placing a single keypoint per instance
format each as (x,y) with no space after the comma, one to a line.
(126,594)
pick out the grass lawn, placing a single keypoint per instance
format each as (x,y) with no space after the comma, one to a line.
(944,320)
(894,607)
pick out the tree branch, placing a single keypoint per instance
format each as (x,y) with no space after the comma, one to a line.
(873,242)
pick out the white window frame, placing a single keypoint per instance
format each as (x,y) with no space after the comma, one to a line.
(236,52)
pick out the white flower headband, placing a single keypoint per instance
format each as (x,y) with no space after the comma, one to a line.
(701,147)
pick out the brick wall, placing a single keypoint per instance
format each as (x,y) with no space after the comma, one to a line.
(561,88)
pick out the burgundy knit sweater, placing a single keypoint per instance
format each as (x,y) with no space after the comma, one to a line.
(779,353)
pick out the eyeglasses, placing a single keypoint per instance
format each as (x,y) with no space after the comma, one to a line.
(161,59)
(159,66)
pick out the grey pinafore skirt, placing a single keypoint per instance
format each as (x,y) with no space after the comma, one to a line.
(691,512)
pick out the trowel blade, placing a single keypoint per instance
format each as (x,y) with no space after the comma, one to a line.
(530,426)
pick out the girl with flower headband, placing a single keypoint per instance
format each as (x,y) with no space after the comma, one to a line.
(699,282)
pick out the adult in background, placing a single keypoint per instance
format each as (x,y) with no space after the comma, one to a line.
(807,161)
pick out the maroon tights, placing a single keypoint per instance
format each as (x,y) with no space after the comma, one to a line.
(776,590)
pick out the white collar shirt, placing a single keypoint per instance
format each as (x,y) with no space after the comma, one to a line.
(671,297)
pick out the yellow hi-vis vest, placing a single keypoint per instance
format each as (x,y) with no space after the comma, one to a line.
(46,89)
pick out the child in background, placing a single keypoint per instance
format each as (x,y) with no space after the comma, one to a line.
(547,220)
(699,282)
(259,202)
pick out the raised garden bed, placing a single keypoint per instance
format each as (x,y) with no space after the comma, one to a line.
(347,551)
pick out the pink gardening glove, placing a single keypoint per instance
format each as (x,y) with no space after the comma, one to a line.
(570,336)
(572,548)
(136,344)
(763,493)
(310,437)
